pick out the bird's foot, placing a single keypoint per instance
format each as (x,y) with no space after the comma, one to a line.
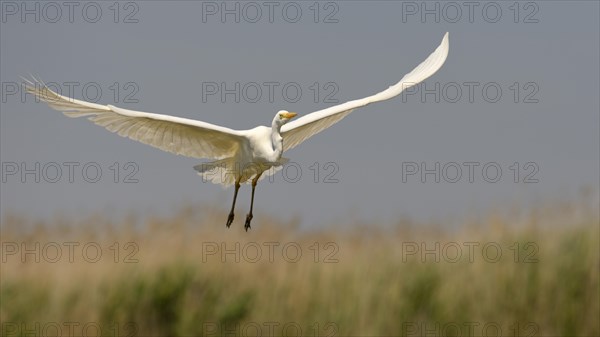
(248,219)
(229,220)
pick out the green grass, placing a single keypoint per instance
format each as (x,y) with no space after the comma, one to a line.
(357,281)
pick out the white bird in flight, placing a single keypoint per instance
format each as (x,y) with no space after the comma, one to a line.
(241,155)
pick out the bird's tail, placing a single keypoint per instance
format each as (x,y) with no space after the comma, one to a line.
(225,171)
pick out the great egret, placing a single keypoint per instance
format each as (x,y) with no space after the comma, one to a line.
(242,155)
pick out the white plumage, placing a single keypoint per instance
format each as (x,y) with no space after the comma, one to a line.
(241,155)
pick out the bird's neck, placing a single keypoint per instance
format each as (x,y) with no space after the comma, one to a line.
(276,141)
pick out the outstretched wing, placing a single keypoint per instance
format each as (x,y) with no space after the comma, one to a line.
(305,127)
(182,136)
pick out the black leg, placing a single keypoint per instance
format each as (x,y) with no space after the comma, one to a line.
(249,216)
(230,217)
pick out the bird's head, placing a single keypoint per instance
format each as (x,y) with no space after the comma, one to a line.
(283,116)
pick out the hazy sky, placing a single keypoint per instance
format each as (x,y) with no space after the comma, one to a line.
(520,86)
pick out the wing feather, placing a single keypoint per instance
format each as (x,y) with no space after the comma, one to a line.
(173,134)
(309,125)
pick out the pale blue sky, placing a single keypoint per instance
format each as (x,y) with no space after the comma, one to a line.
(170,54)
